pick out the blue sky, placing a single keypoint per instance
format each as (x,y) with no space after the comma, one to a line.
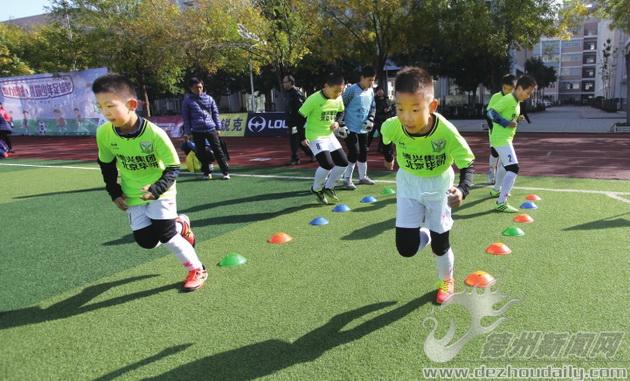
(22,8)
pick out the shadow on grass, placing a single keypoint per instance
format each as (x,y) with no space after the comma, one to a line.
(165,353)
(370,231)
(99,189)
(225,220)
(255,198)
(75,304)
(268,357)
(606,223)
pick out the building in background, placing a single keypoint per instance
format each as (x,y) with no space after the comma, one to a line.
(589,65)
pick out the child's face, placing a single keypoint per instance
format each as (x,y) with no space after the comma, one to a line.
(116,109)
(414,110)
(333,91)
(523,94)
(367,82)
(507,89)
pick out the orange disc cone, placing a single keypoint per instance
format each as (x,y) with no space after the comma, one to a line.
(480,279)
(280,238)
(533,197)
(523,219)
(498,248)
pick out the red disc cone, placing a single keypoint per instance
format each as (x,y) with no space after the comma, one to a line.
(280,238)
(523,218)
(480,279)
(533,197)
(498,248)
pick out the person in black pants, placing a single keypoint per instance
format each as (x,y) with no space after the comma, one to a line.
(201,117)
(384,110)
(294,99)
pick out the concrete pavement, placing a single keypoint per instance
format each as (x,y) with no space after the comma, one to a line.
(580,119)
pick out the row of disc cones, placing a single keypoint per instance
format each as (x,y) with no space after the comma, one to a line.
(481,278)
(234,259)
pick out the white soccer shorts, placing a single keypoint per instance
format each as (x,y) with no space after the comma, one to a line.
(324,143)
(140,216)
(422,201)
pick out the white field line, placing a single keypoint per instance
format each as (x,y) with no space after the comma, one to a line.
(612,194)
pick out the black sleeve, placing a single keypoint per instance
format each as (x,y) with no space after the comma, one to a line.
(164,182)
(300,122)
(388,151)
(339,119)
(300,127)
(466,179)
(110,177)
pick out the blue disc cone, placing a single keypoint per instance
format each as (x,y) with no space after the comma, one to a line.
(529,205)
(368,199)
(319,221)
(340,208)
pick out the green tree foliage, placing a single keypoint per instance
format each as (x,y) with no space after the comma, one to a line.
(471,41)
(368,32)
(544,75)
(11,46)
(132,37)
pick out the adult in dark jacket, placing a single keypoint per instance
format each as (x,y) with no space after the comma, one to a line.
(384,111)
(201,118)
(295,122)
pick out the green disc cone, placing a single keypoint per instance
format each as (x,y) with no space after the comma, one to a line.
(388,191)
(232,260)
(513,231)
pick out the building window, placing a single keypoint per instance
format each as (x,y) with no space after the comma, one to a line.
(571,57)
(588,86)
(590,45)
(569,85)
(589,60)
(571,45)
(570,71)
(588,72)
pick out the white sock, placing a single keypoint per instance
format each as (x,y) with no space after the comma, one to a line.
(347,175)
(508,183)
(320,178)
(184,252)
(425,238)
(335,174)
(362,169)
(445,265)
(178,227)
(492,163)
(498,180)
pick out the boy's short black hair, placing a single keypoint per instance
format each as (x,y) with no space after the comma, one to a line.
(526,81)
(368,71)
(410,79)
(290,78)
(114,83)
(508,79)
(193,81)
(334,78)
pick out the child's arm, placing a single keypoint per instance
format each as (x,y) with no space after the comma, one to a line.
(110,177)
(165,152)
(155,190)
(496,117)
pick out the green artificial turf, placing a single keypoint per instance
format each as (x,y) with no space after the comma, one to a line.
(80,300)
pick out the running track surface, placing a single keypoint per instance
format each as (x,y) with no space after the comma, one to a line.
(597,156)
